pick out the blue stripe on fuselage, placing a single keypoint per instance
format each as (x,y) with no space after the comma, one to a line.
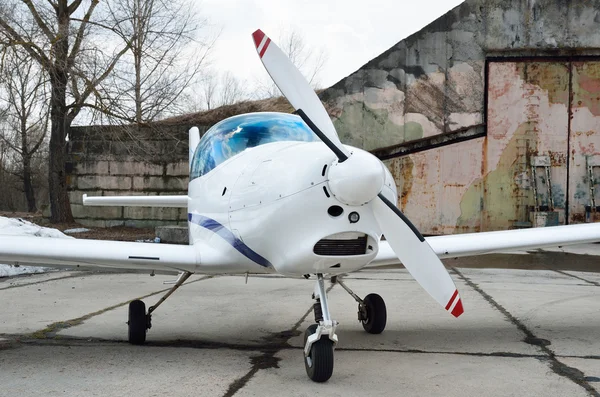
(228,236)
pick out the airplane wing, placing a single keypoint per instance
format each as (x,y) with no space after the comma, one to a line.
(457,245)
(29,250)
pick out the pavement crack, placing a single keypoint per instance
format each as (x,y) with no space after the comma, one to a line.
(588,357)
(55,327)
(558,367)
(266,360)
(47,280)
(577,277)
(457,353)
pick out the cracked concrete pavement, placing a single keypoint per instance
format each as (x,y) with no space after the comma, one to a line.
(524,332)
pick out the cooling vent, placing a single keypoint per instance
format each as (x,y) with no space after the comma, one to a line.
(342,245)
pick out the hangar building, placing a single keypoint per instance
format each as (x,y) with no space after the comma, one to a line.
(517,83)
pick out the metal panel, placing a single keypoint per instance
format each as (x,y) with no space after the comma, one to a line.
(527,116)
(439,189)
(584,141)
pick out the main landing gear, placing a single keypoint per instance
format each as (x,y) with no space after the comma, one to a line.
(320,338)
(371,310)
(139,322)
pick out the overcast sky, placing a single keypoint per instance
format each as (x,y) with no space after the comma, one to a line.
(351,32)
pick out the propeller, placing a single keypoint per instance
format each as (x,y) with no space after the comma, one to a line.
(358,179)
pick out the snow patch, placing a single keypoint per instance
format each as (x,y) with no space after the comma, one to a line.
(11,270)
(21,227)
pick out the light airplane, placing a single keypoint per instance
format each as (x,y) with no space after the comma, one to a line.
(279,193)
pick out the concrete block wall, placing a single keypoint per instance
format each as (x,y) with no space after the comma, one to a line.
(118,161)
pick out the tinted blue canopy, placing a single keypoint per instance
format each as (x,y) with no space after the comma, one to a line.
(238,133)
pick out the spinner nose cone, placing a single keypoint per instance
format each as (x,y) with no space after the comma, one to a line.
(357,180)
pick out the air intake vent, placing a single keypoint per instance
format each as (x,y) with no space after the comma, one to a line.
(336,246)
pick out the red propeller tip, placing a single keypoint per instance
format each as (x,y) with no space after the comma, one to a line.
(258,36)
(458,309)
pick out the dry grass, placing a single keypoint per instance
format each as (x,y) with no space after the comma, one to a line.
(213,116)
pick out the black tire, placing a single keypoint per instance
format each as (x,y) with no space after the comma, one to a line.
(376,314)
(138,322)
(319,363)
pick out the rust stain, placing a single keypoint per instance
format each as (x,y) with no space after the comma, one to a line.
(454,184)
(588,149)
(586,86)
(558,159)
(577,217)
(407,168)
(550,76)
(402,169)
(484,156)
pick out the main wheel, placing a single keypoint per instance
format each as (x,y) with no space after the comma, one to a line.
(376,314)
(138,322)
(319,363)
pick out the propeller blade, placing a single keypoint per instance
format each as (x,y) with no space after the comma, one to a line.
(295,87)
(416,255)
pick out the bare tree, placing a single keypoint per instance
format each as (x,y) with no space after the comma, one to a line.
(209,89)
(164,57)
(215,91)
(22,91)
(55,34)
(231,90)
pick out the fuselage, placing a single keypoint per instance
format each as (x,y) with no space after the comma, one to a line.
(266,195)
(272,206)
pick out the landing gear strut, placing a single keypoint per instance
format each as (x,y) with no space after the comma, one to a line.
(139,322)
(320,338)
(371,310)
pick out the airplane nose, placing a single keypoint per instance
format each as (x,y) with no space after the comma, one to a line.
(357,180)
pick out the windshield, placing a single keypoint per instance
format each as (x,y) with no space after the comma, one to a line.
(235,134)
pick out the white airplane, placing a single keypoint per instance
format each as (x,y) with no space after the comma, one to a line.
(279,193)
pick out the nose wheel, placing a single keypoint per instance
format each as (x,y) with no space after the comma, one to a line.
(320,338)
(319,361)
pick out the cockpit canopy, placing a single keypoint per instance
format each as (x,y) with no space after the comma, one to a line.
(238,133)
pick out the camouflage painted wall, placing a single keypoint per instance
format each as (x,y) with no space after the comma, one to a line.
(436,82)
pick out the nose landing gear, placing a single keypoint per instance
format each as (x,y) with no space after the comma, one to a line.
(320,338)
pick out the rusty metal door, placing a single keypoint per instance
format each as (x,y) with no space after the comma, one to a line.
(528,124)
(584,143)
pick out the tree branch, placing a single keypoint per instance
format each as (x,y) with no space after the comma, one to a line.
(38,143)
(91,85)
(16,39)
(80,33)
(53,4)
(40,22)
(73,6)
